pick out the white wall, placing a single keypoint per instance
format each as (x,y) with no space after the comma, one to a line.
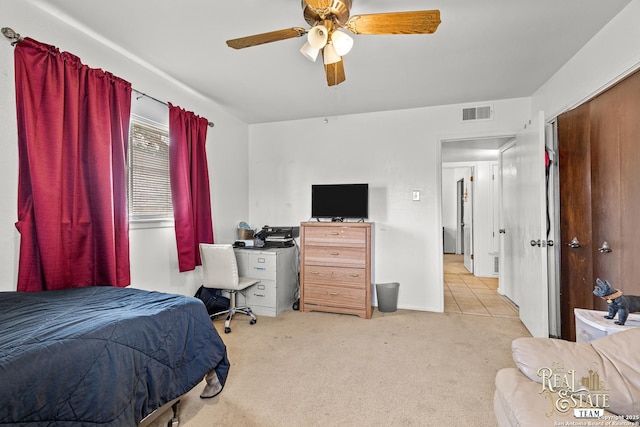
(154,262)
(395,152)
(609,56)
(8,171)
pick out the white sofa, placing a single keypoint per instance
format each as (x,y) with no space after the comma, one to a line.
(610,366)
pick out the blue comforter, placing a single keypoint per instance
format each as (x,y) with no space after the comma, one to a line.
(101,355)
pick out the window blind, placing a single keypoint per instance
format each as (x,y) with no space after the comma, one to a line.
(149,188)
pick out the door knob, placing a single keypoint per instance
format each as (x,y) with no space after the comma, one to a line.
(605,249)
(536,243)
(574,243)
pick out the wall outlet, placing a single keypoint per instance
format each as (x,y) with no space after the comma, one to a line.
(416,195)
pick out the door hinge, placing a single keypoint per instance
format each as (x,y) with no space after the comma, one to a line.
(471,256)
(471,178)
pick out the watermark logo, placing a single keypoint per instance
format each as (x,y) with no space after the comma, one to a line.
(586,396)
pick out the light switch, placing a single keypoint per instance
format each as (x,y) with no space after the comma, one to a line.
(416,195)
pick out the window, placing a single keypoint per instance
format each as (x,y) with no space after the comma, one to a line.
(149,188)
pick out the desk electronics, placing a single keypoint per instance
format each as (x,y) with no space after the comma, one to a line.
(278,236)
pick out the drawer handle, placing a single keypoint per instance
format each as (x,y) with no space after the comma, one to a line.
(258,295)
(332,293)
(315,272)
(354,275)
(334,233)
(260,268)
(334,253)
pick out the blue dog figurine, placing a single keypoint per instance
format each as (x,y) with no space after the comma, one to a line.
(618,303)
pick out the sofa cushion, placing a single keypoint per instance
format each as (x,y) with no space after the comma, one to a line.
(518,402)
(614,358)
(531,354)
(620,372)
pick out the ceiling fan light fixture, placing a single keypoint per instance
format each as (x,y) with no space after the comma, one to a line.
(342,42)
(309,52)
(318,36)
(330,55)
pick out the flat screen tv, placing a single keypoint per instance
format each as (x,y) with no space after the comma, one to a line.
(340,201)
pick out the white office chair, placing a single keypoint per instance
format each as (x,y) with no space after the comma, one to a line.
(220,271)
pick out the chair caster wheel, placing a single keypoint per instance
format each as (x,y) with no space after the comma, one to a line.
(227,330)
(252,321)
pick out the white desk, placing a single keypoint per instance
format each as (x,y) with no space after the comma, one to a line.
(277,270)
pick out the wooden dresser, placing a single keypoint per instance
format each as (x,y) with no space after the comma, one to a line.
(335,267)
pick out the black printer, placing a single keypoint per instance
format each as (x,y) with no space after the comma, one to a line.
(278,237)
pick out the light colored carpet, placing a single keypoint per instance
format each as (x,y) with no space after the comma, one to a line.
(406,368)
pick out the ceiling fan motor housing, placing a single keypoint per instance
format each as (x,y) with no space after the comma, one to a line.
(320,10)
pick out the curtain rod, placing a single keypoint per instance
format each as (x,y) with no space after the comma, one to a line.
(15,38)
(157,100)
(11,35)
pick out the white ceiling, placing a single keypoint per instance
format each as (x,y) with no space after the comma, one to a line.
(483,50)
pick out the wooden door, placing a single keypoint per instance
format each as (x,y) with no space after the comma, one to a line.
(605,188)
(574,161)
(629,136)
(599,146)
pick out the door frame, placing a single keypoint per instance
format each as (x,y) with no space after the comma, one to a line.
(452,138)
(459,216)
(468,235)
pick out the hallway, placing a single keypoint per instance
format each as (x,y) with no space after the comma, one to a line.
(466,294)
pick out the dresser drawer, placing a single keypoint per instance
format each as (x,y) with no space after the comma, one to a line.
(335,256)
(336,236)
(335,275)
(334,296)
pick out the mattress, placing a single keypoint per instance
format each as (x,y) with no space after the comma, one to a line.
(101,355)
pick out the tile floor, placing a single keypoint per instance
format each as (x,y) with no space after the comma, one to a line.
(464,293)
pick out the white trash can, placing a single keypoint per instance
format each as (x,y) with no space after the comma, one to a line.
(387,294)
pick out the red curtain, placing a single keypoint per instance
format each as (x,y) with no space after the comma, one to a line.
(189,185)
(73,124)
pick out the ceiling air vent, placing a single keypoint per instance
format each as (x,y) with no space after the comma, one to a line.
(484,112)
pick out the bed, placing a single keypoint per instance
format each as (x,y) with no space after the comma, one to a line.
(103,355)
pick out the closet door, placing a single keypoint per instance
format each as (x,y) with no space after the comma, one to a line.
(629,140)
(606,187)
(576,268)
(599,148)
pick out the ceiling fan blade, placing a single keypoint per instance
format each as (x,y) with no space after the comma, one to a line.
(419,22)
(335,73)
(269,37)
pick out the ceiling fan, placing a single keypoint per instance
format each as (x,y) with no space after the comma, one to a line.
(327,17)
